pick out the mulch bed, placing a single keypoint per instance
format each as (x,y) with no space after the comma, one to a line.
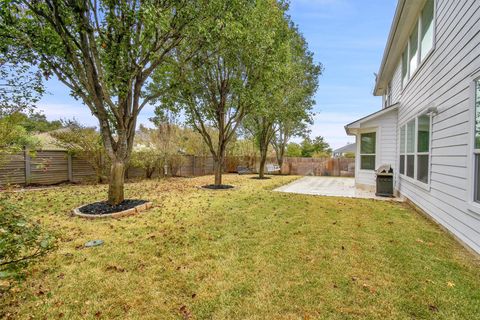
(218,187)
(258,178)
(102,207)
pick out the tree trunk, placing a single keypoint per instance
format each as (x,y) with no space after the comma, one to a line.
(149,172)
(117,179)
(263,160)
(218,168)
(280,154)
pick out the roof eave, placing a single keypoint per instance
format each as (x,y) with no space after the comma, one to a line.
(353,127)
(403,22)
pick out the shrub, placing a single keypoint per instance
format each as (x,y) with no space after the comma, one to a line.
(21,241)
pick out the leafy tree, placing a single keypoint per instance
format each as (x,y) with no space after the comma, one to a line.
(187,140)
(105,52)
(21,241)
(290,81)
(349,155)
(317,147)
(84,142)
(147,158)
(293,150)
(21,85)
(286,129)
(149,152)
(37,122)
(13,136)
(218,85)
(295,113)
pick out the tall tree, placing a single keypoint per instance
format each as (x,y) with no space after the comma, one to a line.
(105,52)
(272,78)
(218,87)
(13,136)
(286,129)
(287,94)
(295,111)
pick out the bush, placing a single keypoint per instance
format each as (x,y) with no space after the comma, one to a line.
(21,242)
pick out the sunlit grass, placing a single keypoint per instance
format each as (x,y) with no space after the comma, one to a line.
(245,253)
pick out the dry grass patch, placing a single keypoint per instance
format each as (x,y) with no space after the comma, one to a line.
(245,253)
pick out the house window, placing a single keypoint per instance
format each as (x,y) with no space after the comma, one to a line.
(420,42)
(367,150)
(413,52)
(415,148)
(427,29)
(411,149)
(402,150)
(405,76)
(423,147)
(477,141)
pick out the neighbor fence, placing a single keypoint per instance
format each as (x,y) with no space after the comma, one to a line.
(46,167)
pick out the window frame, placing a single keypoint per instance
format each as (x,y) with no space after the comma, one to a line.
(420,62)
(367,154)
(473,205)
(416,153)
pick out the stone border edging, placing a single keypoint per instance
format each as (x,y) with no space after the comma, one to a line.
(124,213)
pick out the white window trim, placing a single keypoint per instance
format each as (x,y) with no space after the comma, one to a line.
(420,62)
(414,180)
(473,206)
(359,164)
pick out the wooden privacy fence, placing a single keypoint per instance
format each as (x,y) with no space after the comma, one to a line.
(335,167)
(56,166)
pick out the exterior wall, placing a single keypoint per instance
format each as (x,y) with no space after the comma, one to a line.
(444,81)
(396,84)
(386,128)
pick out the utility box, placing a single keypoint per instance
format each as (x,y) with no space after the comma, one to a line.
(384,181)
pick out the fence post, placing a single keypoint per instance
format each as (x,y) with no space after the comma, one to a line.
(28,171)
(70,167)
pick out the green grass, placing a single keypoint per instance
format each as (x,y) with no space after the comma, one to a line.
(246,253)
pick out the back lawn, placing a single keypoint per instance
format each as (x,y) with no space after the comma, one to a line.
(245,253)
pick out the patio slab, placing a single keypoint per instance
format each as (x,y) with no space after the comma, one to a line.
(330,186)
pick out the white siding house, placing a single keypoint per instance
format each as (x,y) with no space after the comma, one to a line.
(429,127)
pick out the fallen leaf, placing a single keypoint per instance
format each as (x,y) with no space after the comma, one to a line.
(450,284)
(432,308)
(184,312)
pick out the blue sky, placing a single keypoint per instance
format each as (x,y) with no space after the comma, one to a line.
(347,36)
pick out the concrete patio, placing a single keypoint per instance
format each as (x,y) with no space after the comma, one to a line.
(329,186)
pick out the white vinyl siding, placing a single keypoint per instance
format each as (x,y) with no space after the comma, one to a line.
(396,84)
(385,127)
(444,81)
